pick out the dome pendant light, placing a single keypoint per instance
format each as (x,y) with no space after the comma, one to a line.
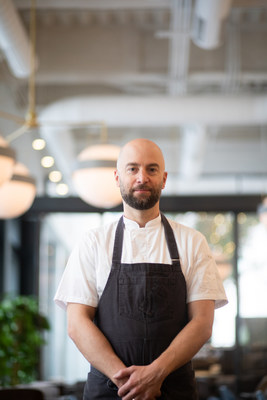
(93,177)
(7,161)
(17,194)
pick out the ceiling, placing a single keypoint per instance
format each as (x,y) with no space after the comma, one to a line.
(196,86)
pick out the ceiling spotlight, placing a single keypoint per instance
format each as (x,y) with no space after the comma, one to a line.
(17,194)
(38,144)
(93,177)
(47,161)
(62,189)
(7,161)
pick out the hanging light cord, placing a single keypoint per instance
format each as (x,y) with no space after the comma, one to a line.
(31,117)
(30,120)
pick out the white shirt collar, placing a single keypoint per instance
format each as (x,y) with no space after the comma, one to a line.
(130,224)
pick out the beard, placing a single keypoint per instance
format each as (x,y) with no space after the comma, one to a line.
(141,203)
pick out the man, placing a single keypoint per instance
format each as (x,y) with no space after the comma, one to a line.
(141,293)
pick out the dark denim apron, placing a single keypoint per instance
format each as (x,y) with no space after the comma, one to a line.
(142,309)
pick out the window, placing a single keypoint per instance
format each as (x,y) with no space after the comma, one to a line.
(218,230)
(252,265)
(60,358)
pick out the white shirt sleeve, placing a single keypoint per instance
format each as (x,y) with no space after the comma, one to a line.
(78,282)
(203,279)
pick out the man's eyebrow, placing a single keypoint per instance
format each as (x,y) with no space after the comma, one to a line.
(135,164)
(153,165)
(131,164)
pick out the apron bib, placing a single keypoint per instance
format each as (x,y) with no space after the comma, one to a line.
(142,308)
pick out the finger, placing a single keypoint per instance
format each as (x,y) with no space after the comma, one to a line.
(122,373)
(124,390)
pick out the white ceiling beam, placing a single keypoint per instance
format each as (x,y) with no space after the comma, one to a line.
(161,110)
(217,185)
(120,79)
(195,79)
(94,4)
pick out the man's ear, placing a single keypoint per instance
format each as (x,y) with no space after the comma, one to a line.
(117,178)
(165,174)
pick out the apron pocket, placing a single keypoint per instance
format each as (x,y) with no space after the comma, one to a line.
(146,298)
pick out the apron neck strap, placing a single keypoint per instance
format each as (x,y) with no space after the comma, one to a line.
(171,242)
(117,249)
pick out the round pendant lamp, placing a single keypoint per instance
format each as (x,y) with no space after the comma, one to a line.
(17,195)
(93,177)
(7,161)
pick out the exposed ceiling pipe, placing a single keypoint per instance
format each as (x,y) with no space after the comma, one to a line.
(233,76)
(179,44)
(14,40)
(208,19)
(121,111)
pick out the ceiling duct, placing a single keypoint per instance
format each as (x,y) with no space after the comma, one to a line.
(158,111)
(13,40)
(208,19)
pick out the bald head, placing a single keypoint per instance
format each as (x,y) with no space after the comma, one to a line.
(141,148)
(141,176)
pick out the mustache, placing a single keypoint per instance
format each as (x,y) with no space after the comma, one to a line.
(141,187)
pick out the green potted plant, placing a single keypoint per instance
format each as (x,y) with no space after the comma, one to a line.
(21,336)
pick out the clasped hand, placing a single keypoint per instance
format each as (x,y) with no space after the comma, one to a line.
(138,383)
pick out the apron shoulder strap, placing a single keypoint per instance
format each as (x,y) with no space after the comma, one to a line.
(117,249)
(171,242)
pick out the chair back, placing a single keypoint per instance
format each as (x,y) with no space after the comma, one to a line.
(21,394)
(259,395)
(225,393)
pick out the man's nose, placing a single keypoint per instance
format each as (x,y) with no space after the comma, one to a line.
(142,176)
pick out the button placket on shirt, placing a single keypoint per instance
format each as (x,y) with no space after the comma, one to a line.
(140,245)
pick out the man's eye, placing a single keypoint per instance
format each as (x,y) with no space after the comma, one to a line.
(131,169)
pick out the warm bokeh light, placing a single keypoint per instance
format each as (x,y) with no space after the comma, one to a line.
(62,189)
(55,176)
(47,161)
(38,144)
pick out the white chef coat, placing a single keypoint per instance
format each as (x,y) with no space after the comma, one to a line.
(89,264)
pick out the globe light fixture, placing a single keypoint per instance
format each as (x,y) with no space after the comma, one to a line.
(7,161)
(93,177)
(17,194)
